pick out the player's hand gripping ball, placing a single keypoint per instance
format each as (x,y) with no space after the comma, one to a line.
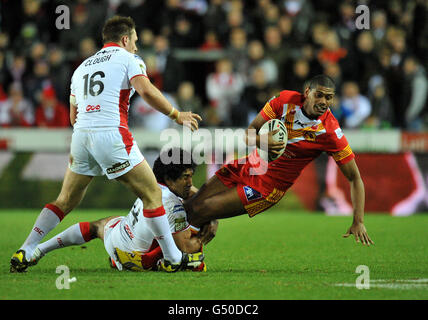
(280,136)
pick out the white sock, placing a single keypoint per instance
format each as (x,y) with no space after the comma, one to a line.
(160,228)
(49,218)
(69,237)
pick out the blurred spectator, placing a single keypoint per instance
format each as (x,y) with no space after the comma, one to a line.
(302,13)
(38,51)
(197,6)
(365,63)
(168,16)
(397,41)
(87,48)
(215,17)
(285,27)
(171,69)
(276,50)
(153,72)
(319,32)
(146,41)
(378,27)
(271,15)
(346,24)
(235,19)
(37,80)
(211,42)
(60,74)
(224,88)
(16,110)
(184,35)
(334,71)
(354,106)
(332,51)
(298,76)
(382,114)
(256,58)
(143,115)
(14,73)
(81,27)
(254,97)
(35,24)
(51,113)
(307,52)
(237,50)
(415,93)
(186,99)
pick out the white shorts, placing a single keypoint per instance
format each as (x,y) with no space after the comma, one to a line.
(109,151)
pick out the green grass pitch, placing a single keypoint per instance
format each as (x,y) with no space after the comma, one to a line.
(275,256)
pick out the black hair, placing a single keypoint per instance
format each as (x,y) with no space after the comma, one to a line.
(117,27)
(319,80)
(172,163)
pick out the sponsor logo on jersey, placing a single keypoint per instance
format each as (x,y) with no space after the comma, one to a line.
(90,108)
(129,232)
(180,224)
(177,208)
(339,133)
(251,194)
(118,167)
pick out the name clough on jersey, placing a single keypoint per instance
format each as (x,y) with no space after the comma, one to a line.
(97,60)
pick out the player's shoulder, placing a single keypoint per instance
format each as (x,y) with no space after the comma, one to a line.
(331,125)
(168,197)
(290,96)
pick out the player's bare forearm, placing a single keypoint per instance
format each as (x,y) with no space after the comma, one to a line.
(186,242)
(251,136)
(358,199)
(151,94)
(351,172)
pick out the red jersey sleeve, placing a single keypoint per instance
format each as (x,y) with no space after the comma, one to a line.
(337,145)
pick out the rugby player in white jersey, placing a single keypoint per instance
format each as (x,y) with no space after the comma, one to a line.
(128,239)
(102,143)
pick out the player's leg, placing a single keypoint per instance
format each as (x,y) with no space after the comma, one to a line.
(213,201)
(77,234)
(72,191)
(141,180)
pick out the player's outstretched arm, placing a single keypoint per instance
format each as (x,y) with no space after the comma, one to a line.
(156,99)
(351,172)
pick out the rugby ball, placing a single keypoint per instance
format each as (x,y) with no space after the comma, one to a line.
(281,135)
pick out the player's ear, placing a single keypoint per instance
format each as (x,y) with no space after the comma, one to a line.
(306,92)
(124,40)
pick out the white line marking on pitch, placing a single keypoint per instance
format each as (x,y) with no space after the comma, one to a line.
(403,284)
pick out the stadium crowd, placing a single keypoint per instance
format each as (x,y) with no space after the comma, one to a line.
(260,46)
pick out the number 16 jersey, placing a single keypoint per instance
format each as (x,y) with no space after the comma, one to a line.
(102,89)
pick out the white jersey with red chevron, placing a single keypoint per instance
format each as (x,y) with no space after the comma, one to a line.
(102,89)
